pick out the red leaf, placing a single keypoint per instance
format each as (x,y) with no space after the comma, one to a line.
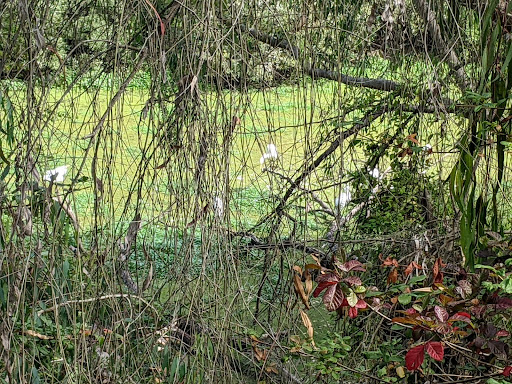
(506,371)
(325,281)
(461,316)
(436,271)
(478,311)
(353,280)
(498,347)
(464,288)
(504,303)
(333,298)
(329,294)
(332,277)
(489,330)
(410,311)
(352,265)
(502,333)
(436,350)
(352,312)
(361,304)
(322,286)
(414,358)
(441,313)
(443,328)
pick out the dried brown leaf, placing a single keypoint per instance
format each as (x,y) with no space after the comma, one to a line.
(299,289)
(393,276)
(30,332)
(307,323)
(309,283)
(412,137)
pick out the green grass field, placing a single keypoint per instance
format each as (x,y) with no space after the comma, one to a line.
(292,118)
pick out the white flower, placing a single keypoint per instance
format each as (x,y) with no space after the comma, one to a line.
(57,174)
(272,151)
(263,158)
(375,173)
(344,198)
(218,207)
(270,154)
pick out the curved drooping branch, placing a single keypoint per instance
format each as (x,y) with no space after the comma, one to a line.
(378,84)
(308,169)
(366,121)
(429,16)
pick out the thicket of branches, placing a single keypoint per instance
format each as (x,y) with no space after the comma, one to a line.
(171,260)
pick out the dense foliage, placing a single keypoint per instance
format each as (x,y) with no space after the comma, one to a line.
(268,191)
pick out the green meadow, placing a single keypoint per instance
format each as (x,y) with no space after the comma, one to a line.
(297,119)
(286,117)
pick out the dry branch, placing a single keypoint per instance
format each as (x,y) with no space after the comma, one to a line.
(378,84)
(366,121)
(429,16)
(93,299)
(257,243)
(125,248)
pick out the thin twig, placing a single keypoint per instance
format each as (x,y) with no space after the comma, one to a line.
(93,299)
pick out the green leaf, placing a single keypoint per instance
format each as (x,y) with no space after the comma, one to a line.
(35,376)
(405,298)
(65,269)
(352,298)
(359,289)
(417,307)
(5,172)
(373,355)
(481,266)
(506,284)
(382,372)
(2,155)
(417,279)
(174,368)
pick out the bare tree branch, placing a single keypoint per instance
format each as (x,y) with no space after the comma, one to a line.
(378,84)
(366,121)
(452,60)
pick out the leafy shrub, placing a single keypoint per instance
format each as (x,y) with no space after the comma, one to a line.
(458,319)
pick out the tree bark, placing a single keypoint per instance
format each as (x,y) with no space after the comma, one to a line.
(378,84)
